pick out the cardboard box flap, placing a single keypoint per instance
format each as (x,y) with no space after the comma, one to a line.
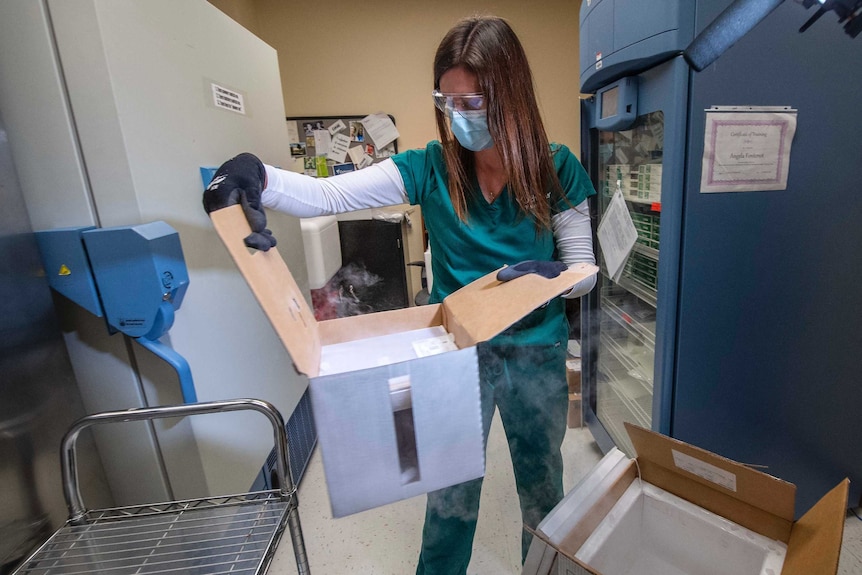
(275,289)
(484,308)
(815,542)
(342,329)
(750,498)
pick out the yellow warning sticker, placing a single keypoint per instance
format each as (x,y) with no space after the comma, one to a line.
(64,270)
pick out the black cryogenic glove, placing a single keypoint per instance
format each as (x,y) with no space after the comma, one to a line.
(241,180)
(545,269)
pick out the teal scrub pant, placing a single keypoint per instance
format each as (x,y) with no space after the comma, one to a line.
(528,385)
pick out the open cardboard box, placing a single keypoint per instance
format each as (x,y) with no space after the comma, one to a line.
(680,510)
(395,394)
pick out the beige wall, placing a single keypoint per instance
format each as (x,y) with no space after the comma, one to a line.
(242,11)
(347,57)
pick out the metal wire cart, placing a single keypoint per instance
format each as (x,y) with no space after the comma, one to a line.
(212,535)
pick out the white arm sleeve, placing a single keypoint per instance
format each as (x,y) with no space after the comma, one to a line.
(303,196)
(574,237)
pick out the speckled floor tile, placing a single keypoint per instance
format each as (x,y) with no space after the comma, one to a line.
(851,551)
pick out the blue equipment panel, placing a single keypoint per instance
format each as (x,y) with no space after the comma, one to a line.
(141,274)
(623,37)
(207,175)
(67,267)
(617,105)
(754,336)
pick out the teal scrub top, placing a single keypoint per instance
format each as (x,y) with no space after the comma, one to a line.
(494,234)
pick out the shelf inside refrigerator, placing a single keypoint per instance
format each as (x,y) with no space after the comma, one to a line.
(626,379)
(647,251)
(638,182)
(637,321)
(644,203)
(636,361)
(646,288)
(612,413)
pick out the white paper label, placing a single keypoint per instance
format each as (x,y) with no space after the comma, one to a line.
(705,470)
(380,128)
(338,147)
(617,234)
(322,140)
(365,161)
(292,133)
(228,99)
(434,345)
(356,154)
(337,126)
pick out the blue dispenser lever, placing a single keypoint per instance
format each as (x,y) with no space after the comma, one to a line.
(150,341)
(178,362)
(163,322)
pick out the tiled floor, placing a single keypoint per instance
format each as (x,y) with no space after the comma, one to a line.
(851,550)
(385,541)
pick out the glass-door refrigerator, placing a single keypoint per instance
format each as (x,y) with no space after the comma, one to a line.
(732,324)
(633,145)
(630,161)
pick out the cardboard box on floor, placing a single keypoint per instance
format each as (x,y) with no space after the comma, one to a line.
(756,501)
(391,424)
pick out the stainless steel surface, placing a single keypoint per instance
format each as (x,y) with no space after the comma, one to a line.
(39,397)
(229,534)
(217,535)
(69,454)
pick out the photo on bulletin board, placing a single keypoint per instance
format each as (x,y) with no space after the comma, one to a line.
(331,145)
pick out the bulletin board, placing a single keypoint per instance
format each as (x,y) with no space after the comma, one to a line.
(331,145)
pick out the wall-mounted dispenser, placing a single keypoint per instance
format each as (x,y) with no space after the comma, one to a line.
(133,276)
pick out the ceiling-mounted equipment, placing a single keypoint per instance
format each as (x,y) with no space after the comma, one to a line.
(742,16)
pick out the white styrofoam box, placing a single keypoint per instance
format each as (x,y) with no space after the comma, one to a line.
(322,249)
(377,351)
(567,514)
(710,516)
(577,502)
(653,532)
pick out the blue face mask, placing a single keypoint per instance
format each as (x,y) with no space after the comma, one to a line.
(470,128)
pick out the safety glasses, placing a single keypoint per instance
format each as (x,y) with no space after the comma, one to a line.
(447,103)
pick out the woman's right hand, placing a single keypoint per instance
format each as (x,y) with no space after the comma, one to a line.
(241,180)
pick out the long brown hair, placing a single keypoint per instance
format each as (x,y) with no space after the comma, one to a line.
(488,47)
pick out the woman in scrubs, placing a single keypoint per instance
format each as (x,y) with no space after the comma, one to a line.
(493,192)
